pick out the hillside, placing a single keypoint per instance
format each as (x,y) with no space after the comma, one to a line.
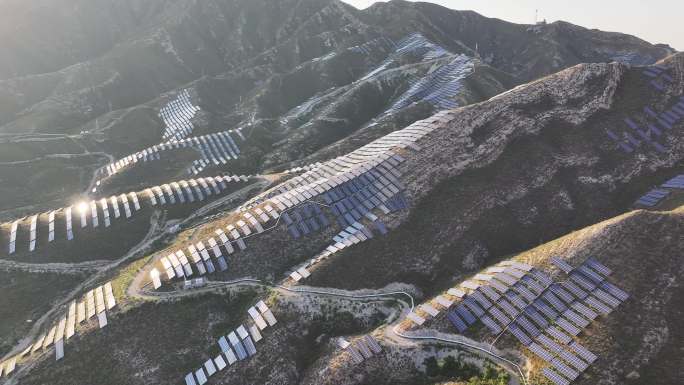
(300,192)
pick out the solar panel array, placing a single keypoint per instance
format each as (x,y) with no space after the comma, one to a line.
(655,196)
(414,46)
(380,44)
(125,205)
(541,314)
(237,345)
(651,127)
(94,302)
(660,77)
(217,148)
(350,188)
(675,183)
(584,296)
(439,87)
(177,115)
(360,349)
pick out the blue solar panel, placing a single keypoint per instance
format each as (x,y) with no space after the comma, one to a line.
(381,227)
(457,322)
(305,229)
(323,220)
(223,266)
(588,273)
(536,317)
(631,123)
(474,307)
(664,123)
(313,225)
(657,85)
(650,111)
(668,118)
(466,314)
(294,232)
(519,334)
(582,281)
(528,326)
(544,308)
(554,301)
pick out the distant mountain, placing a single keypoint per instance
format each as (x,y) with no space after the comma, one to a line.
(301,75)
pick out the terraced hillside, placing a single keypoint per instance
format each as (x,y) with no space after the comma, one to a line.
(299,192)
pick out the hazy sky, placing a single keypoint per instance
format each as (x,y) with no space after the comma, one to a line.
(656,21)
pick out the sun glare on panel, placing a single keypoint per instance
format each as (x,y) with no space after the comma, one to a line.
(82,207)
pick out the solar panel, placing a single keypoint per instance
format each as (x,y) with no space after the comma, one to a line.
(598,305)
(266,312)
(554,377)
(562,293)
(490,293)
(481,299)
(615,291)
(567,326)
(533,284)
(582,281)
(493,327)
(542,277)
(443,301)
(584,310)
(465,314)
(473,306)
(607,298)
(564,369)
(93,214)
(525,323)
(51,227)
(520,335)
(545,309)
(583,352)
(210,368)
(573,360)
(499,315)
(201,377)
(505,278)
(540,352)
(498,286)
(525,292)
(32,238)
(554,301)
(597,279)
(255,333)
(536,317)
(237,345)
(372,343)
(559,335)
(549,343)
(249,345)
(429,309)
(70,233)
(507,307)
(516,300)
(574,289)
(457,321)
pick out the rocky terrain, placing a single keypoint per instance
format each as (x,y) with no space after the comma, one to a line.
(491,142)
